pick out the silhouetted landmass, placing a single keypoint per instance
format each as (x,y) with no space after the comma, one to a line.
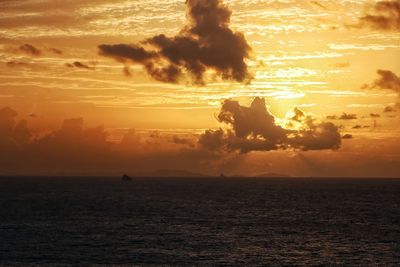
(126,178)
(272,175)
(174,173)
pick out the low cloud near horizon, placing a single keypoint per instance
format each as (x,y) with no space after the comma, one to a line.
(74,149)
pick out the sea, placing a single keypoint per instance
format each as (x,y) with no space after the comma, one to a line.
(104,221)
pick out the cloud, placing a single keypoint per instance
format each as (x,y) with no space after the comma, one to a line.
(346,116)
(374,115)
(385,16)
(255,120)
(30,50)
(318,4)
(213,140)
(341,65)
(12,133)
(356,127)
(127,71)
(387,80)
(254,128)
(347,136)
(331,117)
(56,51)
(78,64)
(182,141)
(74,149)
(392,108)
(18,64)
(389,109)
(206,42)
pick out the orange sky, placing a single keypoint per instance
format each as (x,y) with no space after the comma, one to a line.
(183,71)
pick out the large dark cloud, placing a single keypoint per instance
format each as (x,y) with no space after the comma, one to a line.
(206,42)
(254,128)
(385,16)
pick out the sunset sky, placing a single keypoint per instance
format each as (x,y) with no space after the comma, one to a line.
(295,87)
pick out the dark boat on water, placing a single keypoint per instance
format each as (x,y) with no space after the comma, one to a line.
(126,178)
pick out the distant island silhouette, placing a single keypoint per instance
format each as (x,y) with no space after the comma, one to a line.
(126,178)
(272,175)
(184,173)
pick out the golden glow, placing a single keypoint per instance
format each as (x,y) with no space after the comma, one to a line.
(303,55)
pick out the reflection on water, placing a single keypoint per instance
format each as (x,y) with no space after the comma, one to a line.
(81,221)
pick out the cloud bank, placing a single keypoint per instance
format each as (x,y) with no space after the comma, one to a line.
(74,149)
(206,42)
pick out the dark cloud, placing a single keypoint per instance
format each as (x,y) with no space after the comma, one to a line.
(182,141)
(374,115)
(387,80)
(389,109)
(56,51)
(392,108)
(33,50)
(347,136)
(78,64)
(318,4)
(124,53)
(18,64)
(253,121)
(30,50)
(384,16)
(356,127)
(12,133)
(127,71)
(254,128)
(346,116)
(331,117)
(205,43)
(213,140)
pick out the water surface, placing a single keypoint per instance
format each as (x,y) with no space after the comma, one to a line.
(55,221)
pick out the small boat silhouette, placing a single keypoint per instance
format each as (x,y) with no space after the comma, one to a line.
(126,178)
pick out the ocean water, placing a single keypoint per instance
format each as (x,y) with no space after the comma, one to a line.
(56,221)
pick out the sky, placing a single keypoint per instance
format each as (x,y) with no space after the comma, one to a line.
(300,88)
